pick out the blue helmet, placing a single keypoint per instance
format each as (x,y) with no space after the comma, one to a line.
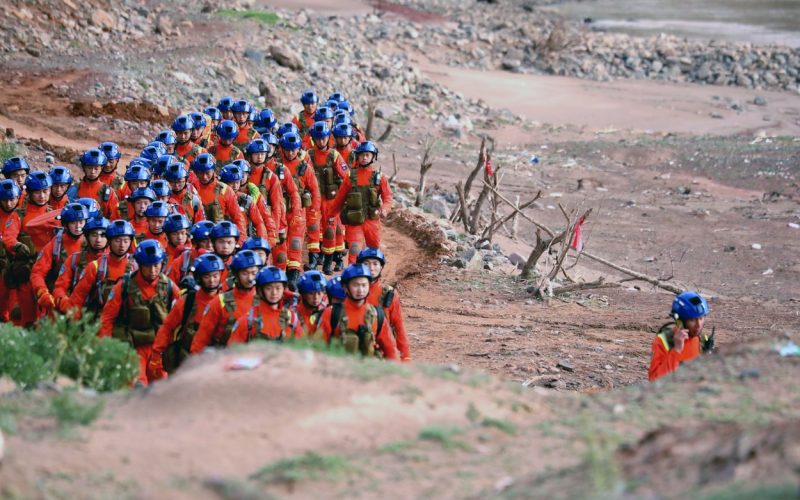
(320,130)
(182,123)
(225,229)
(367,147)
(244,259)
(61,175)
(266,119)
(73,212)
(689,305)
(240,106)
(271,139)
(213,112)
(231,173)
(257,146)
(225,104)
(198,119)
(161,164)
(152,151)
(371,253)
(111,150)
(93,158)
(342,117)
(160,146)
(356,271)
(257,243)
(91,206)
(309,97)
(142,162)
(160,188)
(335,288)
(346,106)
(38,180)
(14,164)
(157,209)
(96,223)
(120,227)
(242,165)
(175,172)
(287,128)
(207,263)
(323,113)
(176,222)
(311,281)
(204,163)
(201,230)
(227,130)
(167,137)
(337,97)
(9,190)
(333,105)
(343,130)
(149,253)
(291,141)
(144,192)
(137,173)
(271,274)
(251,117)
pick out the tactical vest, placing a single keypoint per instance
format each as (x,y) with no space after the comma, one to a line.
(387,296)
(98,295)
(189,204)
(262,186)
(103,194)
(228,302)
(192,153)
(213,210)
(117,183)
(186,264)
(305,195)
(20,266)
(77,265)
(362,202)
(301,119)
(327,178)
(138,322)
(364,339)
(3,257)
(59,256)
(255,325)
(245,204)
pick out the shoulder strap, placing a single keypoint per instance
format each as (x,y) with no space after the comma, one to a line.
(387,295)
(336,316)
(187,312)
(381,317)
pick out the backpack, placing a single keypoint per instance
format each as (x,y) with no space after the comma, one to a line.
(357,341)
(255,324)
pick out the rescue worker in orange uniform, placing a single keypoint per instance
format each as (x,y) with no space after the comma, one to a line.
(323,114)
(260,246)
(216,326)
(224,107)
(186,150)
(109,175)
(184,195)
(330,169)
(96,245)
(271,318)
(219,201)
(385,296)
(296,161)
(357,324)
(362,200)
(260,155)
(223,151)
(233,176)
(358,133)
(136,177)
(241,113)
(335,291)
(682,340)
(61,191)
(247,188)
(199,125)
(9,229)
(174,339)
(167,138)
(343,136)
(305,119)
(134,208)
(312,289)
(156,214)
(92,162)
(176,227)
(55,253)
(91,293)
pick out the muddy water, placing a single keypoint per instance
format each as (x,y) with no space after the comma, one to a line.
(756,21)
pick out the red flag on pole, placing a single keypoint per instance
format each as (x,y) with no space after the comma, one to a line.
(488,165)
(577,239)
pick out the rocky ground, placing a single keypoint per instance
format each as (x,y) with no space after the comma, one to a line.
(713,206)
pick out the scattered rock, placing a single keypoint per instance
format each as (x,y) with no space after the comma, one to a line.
(760,101)
(270,92)
(566,365)
(102,19)
(756,246)
(749,373)
(438,207)
(286,57)
(164,25)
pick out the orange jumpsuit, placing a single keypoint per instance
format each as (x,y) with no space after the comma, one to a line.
(247,328)
(394,314)
(272,207)
(332,228)
(9,226)
(265,212)
(369,233)
(47,263)
(24,295)
(355,318)
(109,204)
(58,204)
(252,216)
(308,182)
(292,248)
(227,201)
(180,263)
(666,359)
(188,151)
(346,153)
(71,274)
(304,122)
(246,134)
(216,318)
(308,142)
(188,203)
(225,154)
(87,283)
(161,237)
(309,317)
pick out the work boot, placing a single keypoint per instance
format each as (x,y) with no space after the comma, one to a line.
(313,260)
(338,259)
(292,275)
(327,261)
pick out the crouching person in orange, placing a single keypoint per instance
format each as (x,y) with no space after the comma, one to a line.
(312,287)
(271,318)
(174,338)
(363,199)
(386,297)
(139,303)
(683,339)
(357,324)
(220,315)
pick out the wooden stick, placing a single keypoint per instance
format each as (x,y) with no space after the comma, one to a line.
(600,283)
(396,170)
(637,275)
(522,214)
(478,167)
(464,215)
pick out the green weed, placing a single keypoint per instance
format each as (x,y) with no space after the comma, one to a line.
(310,466)
(7,150)
(234,489)
(738,491)
(70,411)
(396,447)
(444,436)
(261,16)
(503,425)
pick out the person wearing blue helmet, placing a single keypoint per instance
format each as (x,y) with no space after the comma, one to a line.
(199,126)
(133,208)
(363,199)
(312,287)
(90,186)
(162,191)
(219,201)
(345,143)
(137,176)
(224,238)
(183,194)
(168,139)
(139,303)
(246,133)
(305,119)
(681,340)
(16,169)
(358,325)
(201,237)
(108,174)
(324,114)
(223,150)
(156,214)
(160,166)
(176,227)
(273,316)
(95,232)
(332,105)
(287,128)
(233,176)
(216,326)
(224,107)
(265,122)
(185,150)
(37,199)
(174,339)
(335,290)
(61,191)
(215,115)
(260,246)
(10,246)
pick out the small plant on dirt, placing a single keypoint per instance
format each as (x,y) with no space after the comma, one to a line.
(69,410)
(503,425)
(7,150)
(396,447)
(310,466)
(261,16)
(602,468)
(444,436)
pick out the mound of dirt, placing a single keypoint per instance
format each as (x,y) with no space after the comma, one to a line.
(425,231)
(133,111)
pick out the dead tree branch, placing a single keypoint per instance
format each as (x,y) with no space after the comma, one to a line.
(370,120)
(463,203)
(478,166)
(424,166)
(385,134)
(396,170)
(590,285)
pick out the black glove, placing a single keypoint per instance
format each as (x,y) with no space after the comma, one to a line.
(707,343)
(188,283)
(22,250)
